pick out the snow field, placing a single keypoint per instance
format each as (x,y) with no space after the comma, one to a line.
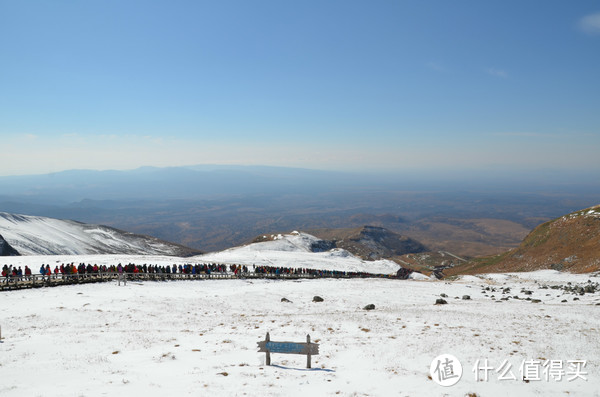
(199,337)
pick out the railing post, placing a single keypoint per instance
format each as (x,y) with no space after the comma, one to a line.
(268,339)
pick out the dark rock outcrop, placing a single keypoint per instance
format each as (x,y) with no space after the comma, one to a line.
(322,246)
(6,249)
(367,242)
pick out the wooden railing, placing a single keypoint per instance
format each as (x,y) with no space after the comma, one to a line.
(38,280)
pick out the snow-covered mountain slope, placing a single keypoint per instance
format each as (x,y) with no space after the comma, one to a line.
(298,250)
(66,241)
(36,235)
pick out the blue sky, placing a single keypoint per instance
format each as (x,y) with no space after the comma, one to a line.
(345,85)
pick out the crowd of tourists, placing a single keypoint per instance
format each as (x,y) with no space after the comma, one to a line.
(83,269)
(10,272)
(277,270)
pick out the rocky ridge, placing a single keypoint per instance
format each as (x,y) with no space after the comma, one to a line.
(568,243)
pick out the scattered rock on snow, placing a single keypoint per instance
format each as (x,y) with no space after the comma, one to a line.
(317,298)
(466,297)
(590,289)
(285,300)
(440,301)
(369,307)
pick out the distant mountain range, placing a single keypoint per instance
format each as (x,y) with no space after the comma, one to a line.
(36,235)
(214,207)
(171,183)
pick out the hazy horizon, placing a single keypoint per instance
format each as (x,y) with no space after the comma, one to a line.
(481,175)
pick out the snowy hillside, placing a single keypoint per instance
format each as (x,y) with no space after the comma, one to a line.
(291,251)
(199,338)
(298,250)
(36,235)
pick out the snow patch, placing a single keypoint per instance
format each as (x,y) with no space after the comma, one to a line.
(418,276)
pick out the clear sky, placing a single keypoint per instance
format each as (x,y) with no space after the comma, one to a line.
(345,85)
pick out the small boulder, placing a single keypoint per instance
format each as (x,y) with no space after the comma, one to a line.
(443,295)
(285,300)
(317,298)
(466,297)
(440,301)
(369,307)
(589,289)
